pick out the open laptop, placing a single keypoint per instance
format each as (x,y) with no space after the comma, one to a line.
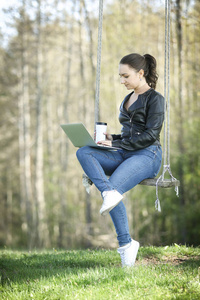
(80,137)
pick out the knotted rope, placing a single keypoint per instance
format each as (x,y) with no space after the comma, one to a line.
(166,142)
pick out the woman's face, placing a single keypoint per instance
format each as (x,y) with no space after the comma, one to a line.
(130,77)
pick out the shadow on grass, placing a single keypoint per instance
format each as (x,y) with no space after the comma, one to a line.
(28,266)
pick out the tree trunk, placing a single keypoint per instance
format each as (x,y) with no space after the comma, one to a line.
(88,213)
(181,115)
(24,136)
(64,142)
(42,235)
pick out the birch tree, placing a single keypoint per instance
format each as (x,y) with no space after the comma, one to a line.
(83,108)
(179,35)
(24,131)
(42,235)
(65,117)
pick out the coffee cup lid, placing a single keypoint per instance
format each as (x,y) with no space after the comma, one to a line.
(101,123)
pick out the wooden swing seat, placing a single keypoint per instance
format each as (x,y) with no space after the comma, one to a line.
(166,183)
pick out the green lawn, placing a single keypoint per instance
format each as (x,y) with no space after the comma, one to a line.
(159,273)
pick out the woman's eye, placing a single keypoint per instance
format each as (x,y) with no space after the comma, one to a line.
(123,76)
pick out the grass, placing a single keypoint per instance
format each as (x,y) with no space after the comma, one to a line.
(160,273)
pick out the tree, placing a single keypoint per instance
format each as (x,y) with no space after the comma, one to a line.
(42,235)
(24,129)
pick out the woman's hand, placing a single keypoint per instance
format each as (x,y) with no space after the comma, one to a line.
(105,143)
(108,136)
(108,140)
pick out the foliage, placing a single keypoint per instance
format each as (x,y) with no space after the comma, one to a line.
(47,75)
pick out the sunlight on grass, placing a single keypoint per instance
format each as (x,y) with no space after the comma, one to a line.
(159,273)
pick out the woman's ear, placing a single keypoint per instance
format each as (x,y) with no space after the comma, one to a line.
(141,73)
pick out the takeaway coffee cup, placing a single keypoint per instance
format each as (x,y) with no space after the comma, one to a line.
(100,129)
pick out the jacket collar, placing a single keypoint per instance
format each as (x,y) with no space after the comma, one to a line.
(137,103)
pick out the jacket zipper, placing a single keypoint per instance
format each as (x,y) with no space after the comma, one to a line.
(131,118)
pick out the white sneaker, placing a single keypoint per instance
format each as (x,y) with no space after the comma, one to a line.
(110,200)
(128,253)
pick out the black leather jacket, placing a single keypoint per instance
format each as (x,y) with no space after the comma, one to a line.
(142,122)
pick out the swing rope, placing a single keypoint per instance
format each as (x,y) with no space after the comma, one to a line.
(166,142)
(85,179)
(98,69)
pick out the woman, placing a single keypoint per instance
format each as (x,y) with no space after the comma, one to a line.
(140,154)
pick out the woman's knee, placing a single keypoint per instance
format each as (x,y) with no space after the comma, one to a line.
(81,152)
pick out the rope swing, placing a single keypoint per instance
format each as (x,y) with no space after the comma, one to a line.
(160,181)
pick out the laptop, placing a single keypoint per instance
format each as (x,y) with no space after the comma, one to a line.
(80,137)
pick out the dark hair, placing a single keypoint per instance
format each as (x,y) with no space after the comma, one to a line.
(146,62)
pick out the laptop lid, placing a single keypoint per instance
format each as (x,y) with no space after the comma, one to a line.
(80,137)
(78,134)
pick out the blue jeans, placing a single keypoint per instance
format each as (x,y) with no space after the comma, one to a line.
(119,170)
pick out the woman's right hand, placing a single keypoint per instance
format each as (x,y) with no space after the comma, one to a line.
(108,136)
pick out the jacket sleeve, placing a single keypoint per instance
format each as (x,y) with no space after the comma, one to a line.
(116,137)
(153,126)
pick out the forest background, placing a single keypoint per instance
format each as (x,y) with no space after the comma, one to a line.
(48,54)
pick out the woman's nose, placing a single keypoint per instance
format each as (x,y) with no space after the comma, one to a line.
(122,80)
